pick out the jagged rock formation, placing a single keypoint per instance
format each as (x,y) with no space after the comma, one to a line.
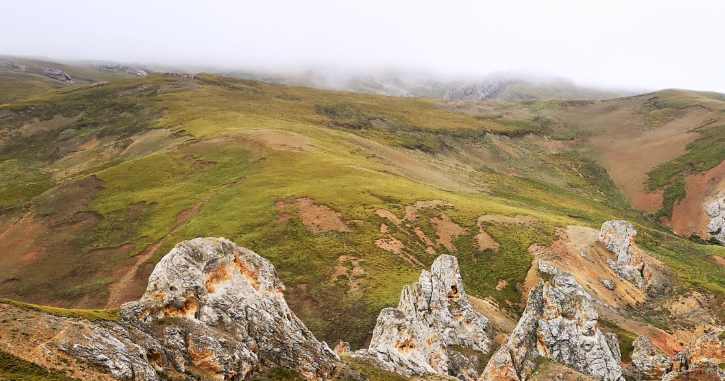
(618,237)
(434,329)
(211,309)
(631,263)
(649,361)
(715,210)
(559,323)
(703,359)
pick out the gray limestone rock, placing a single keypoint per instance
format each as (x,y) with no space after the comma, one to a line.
(715,210)
(559,323)
(433,319)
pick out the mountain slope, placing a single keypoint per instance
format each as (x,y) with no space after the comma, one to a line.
(349,195)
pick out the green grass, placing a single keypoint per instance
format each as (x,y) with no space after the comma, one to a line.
(88,314)
(20,182)
(352,153)
(16,369)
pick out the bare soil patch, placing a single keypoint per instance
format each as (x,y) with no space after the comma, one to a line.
(484,241)
(319,218)
(447,231)
(350,270)
(688,215)
(629,150)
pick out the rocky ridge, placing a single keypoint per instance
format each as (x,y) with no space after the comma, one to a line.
(215,310)
(434,329)
(561,324)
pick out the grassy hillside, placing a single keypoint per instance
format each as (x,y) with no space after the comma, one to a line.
(21,78)
(349,195)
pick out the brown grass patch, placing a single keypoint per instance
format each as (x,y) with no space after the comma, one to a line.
(281,140)
(501,219)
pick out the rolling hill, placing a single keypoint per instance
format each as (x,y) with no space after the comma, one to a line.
(349,195)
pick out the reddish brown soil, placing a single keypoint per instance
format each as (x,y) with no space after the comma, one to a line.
(447,231)
(128,286)
(688,215)
(319,218)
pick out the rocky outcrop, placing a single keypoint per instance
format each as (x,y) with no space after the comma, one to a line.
(715,210)
(703,359)
(561,324)
(434,329)
(649,361)
(631,263)
(212,310)
(57,74)
(618,237)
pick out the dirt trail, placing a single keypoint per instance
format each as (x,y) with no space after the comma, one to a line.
(124,289)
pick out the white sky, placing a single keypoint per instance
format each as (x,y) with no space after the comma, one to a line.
(617,43)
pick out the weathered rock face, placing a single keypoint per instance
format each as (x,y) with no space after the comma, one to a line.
(559,323)
(434,329)
(232,305)
(715,210)
(211,309)
(631,263)
(649,361)
(702,360)
(618,237)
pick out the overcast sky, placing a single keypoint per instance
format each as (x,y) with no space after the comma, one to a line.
(617,43)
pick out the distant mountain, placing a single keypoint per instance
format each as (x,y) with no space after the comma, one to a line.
(22,77)
(505,87)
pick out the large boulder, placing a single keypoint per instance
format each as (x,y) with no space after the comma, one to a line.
(434,329)
(715,210)
(561,324)
(212,310)
(648,360)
